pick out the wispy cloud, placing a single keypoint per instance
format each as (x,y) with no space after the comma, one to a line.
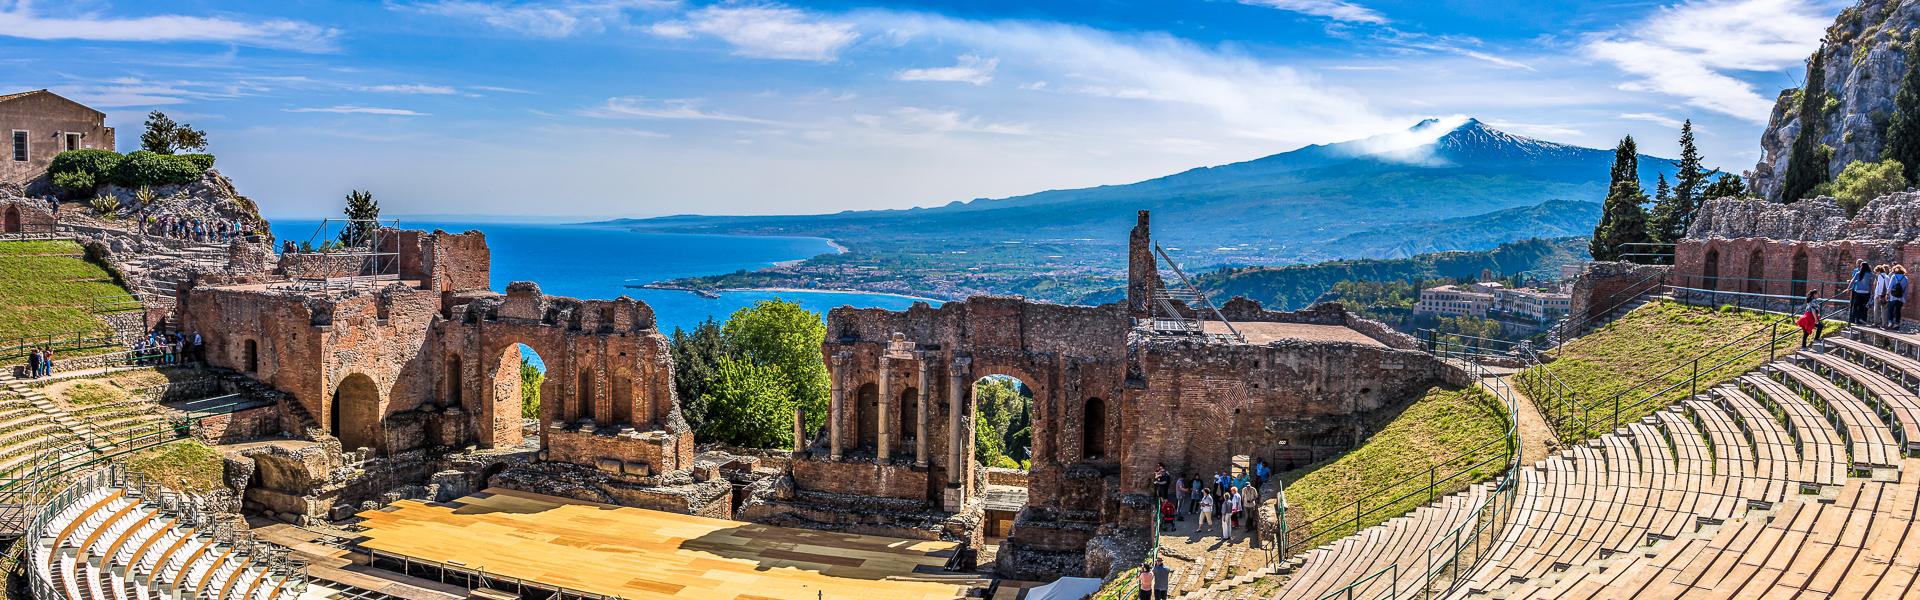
(411,88)
(766,31)
(971,69)
(909,119)
(500,90)
(538,19)
(348,109)
(681,109)
(1659,119)
(1338,10)
(1458,45)
(19,19)
(1692,49)
(1539,130)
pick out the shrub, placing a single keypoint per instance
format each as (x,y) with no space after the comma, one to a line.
(79,171)
(204,161)
(75,181)
(1863,181)
(147,168)
(106,206)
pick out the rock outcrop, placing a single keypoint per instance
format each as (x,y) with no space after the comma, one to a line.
(1864,58)
(1894,216)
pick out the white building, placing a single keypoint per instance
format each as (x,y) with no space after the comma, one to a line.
(1471,299)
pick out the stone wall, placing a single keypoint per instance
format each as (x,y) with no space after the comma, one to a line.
(25,215)
(238,426)
(1605,285)
(1786,250)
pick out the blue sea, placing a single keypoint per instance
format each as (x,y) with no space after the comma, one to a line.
(592,262)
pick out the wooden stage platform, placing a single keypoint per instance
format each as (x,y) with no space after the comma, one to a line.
(635,553)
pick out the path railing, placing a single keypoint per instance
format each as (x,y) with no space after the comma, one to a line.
(20,346)
(1459,551)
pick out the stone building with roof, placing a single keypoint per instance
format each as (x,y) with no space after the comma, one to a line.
(40,124)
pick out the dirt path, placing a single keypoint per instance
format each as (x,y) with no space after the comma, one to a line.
(1536,437)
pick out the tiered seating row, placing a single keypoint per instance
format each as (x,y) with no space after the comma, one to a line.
(112,544)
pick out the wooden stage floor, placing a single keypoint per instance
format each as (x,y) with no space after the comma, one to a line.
(636,553)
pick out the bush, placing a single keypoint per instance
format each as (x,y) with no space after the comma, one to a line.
(82,170)
(1863,181)
(149,169)
(204,161)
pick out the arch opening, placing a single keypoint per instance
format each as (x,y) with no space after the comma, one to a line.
(11,223)
(355,414)
(866,410)
(1710,272)
(908,425)
(1799,287)
(519,378)
(1003,429)
(1093,430)
(250,356)
(584,395)
(1756,272)
(455,375)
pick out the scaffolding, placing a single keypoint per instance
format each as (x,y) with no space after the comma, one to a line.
(344,255)
(1171,320)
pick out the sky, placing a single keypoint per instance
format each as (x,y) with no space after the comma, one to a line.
(564,109)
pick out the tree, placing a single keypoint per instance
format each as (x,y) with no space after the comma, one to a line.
(530,379)
(1903,130)
(1863,181)
(1663,209)
(1005,417)
(1807,161)
(1727,186)
(163,136)
(1673,213)
(363,216)
(696,369)
(1622,220)
(751,405)
(785,336)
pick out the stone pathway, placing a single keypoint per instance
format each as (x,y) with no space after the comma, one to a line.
(1536,436)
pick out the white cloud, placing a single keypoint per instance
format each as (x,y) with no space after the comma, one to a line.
(133,91)
(1549,131)
(411,88)
(498,89)
(1690,50)
(971,69)
(348,109)
(1658,119)
(18,19)
(1459,45)
(540,19)
(915,120)
(682,109)
(1338,10)
(765,31)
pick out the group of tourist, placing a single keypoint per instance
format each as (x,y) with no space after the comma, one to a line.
(161,348)
(1879,294)
(40,363)
(1225,498)
(192,229)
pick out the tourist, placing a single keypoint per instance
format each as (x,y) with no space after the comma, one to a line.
(33,364)
(199,348)
(1809,320)
(1146,581)
(1206,511)
(1160,482)
(46,363)
(1896,295)
(1180,494)
(1232,521)
(1193,496)
(1160,576)
(1862,289)
(1881,276)
(1261,473)
(1250,501)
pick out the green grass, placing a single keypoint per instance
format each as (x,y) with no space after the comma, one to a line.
(89,393)
(1642,353)
(1458,432)
(185,465)
(46,288)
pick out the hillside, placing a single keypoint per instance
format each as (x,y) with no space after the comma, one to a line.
(1441,185)
(48,288)
(1864,59)
(1298,286)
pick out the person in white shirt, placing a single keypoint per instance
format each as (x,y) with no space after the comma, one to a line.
(1881,277)
(1206,510)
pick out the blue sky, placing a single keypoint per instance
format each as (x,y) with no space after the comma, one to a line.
(572,108)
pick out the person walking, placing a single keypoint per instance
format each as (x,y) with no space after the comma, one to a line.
(1896,295)
(1260,473)
(1809,320)
(1206,511)
(1862,294)
(1232,521)
(46,363)
(1146,581)
(1193,495)
(1180,497)
(1880,279)
(1160,576)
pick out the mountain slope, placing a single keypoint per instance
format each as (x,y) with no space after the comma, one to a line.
(1391,195)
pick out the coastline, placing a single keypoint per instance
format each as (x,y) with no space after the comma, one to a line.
(829,291)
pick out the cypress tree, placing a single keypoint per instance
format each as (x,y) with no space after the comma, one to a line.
(1622,220)
(1665,209)
(1903,130)
(1807,164)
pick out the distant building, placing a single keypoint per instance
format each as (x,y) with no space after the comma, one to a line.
(40,124)
(1538,305)
(1484,298)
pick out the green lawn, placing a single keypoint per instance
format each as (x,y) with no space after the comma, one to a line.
(47,287)
(186,465)
(1448,432)
(1641,354)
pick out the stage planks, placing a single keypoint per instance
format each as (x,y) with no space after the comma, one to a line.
(636,553)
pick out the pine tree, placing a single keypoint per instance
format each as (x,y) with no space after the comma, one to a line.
(1903,130)
(1665,211)
(1727,186)
(1807,162)
(1622,220)
(363,215)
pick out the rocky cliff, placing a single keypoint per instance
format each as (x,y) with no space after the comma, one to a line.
(1864,55)
(1894,216)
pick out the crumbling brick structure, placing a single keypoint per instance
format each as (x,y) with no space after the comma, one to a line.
(1113,400)
(25,215)
(1786,250)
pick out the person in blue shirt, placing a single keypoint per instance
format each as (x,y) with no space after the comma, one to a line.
(1261,473)
(1862,288)
(1896,295)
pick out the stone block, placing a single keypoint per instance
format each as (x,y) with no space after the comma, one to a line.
(638,469)
(610,465)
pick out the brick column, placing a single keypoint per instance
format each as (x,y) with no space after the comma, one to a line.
(957,389)
(836,406)
(883,422)
(920,414)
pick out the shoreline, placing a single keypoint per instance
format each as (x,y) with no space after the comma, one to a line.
(829,291)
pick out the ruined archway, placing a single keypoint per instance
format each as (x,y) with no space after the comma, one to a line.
(1710,272)
(355,414)
(1004,435)
(520,377)
(250,356)
(908,424)
(1093,430)
(1799,276)
(11,223)
(1756,272)
(866,400)
(455,374)
(584,395)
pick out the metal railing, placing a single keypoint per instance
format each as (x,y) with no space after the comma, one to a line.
(20,346)
(1572,417)
(476,577)
(1460,550)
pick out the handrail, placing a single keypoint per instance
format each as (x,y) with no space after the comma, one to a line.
(16,347)
(1493,512)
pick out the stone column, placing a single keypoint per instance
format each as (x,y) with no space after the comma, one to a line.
(799,431)
(920,414)
(883,422)
(957,389)
(836,407)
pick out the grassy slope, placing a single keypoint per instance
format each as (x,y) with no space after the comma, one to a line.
(1446,431)
(1648,343)
(186,465)
(46,288)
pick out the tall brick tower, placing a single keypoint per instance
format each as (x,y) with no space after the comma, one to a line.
(1143,272)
